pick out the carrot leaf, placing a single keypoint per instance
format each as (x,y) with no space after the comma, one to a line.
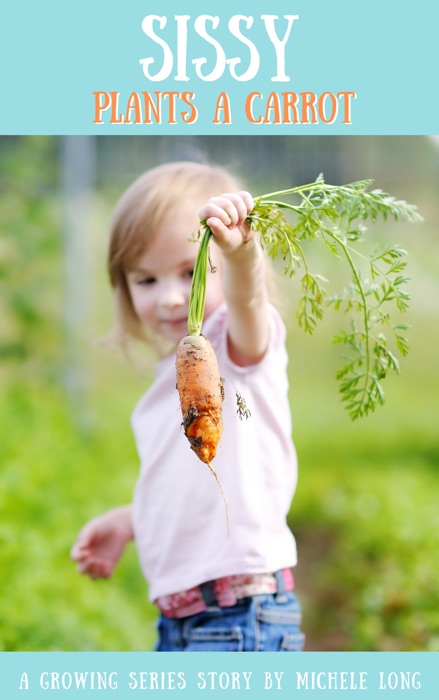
(335,216)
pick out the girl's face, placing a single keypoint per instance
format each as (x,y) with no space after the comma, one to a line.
(161,281)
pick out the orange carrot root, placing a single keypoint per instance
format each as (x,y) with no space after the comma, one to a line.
(224,498)
(201,394)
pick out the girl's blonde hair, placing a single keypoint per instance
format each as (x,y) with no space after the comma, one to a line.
(138,214)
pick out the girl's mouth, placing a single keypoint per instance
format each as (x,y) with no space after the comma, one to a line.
(173,322)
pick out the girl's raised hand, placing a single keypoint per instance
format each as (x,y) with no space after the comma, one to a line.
(226,216)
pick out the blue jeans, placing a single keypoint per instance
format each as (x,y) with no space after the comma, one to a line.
(261,623)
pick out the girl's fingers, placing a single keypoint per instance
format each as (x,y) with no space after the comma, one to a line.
(231,208)
(222,209)
(220,231)
(248,200)
(95,568)
(78,551)
(234,206)
(84,566)
(243,202)
(85,538)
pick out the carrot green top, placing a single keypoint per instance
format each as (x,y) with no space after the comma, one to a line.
(335,216)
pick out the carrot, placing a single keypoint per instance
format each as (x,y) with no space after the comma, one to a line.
(200,388)
(201,394)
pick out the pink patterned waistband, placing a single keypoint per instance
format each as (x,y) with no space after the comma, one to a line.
(227,591)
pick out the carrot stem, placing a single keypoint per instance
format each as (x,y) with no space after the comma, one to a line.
(197,299)
(290,190)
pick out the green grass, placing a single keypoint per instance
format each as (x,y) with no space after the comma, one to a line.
(53,479)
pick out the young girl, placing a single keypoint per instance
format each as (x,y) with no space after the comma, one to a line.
(215,593)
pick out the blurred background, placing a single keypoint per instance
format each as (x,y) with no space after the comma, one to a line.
(365,514)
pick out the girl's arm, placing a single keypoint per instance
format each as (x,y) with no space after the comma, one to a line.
(244,275)
(102,541)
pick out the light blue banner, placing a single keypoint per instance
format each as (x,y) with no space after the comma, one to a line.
(220,675)
(271,67)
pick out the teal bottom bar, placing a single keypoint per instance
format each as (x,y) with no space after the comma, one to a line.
(219,675)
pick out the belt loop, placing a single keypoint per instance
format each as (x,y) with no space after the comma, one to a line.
(281,591)
(208,594)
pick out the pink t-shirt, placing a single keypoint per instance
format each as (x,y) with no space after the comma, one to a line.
(178,510)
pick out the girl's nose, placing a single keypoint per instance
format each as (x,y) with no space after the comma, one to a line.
(172,295)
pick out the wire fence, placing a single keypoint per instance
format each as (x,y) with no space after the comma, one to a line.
(276,161)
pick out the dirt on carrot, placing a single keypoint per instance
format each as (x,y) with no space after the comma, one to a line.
(201,393)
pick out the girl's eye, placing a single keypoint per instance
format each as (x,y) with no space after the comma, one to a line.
(146,280)
(189,273)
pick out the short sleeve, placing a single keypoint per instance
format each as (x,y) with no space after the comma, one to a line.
(215,330)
